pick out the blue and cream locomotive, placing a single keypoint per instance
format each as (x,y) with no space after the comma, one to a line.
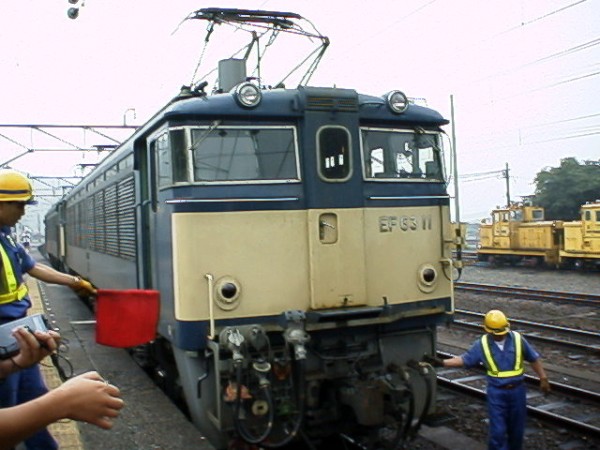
(300,239)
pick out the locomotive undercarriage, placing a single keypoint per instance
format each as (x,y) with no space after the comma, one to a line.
(270,388)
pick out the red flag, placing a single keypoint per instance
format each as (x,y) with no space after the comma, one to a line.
(126,318)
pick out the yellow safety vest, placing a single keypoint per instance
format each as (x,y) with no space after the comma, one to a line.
(492,368)
(14,290)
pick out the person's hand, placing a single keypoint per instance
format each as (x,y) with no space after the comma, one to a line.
(544,385)
(33,347)
(434,361)
(89,398)
(82,288)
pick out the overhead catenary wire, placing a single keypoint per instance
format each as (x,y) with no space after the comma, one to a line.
(482,42)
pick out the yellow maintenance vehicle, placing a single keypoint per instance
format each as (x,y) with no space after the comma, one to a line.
(518,233)
(581,245)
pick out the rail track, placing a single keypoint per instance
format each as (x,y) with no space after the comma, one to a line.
(574,298)
(566,407)
(584,340)
(468,257)
(572,408)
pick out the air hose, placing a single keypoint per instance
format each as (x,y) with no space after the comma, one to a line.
(300,367)
(239,424)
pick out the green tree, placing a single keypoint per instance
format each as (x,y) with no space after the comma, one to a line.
(562,190)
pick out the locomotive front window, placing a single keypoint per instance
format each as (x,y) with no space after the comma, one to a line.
(396,154)
(236,154)
(334,157)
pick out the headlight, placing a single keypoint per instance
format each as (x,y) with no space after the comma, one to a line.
(248,95)
(397,101)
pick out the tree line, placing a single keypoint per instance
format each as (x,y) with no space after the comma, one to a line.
(562,190)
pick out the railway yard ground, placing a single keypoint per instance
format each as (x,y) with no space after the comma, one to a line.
(150,421)
(564,365)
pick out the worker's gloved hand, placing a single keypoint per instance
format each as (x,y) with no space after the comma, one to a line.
(434,361)
(544,385)
(82,288)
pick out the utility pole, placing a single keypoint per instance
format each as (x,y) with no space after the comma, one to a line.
(507,177)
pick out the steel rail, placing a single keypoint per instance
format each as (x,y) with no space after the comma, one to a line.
(564,421)
(545,326)
(538,338)
(533,294)
(535,411)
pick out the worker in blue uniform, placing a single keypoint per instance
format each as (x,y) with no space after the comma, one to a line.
(502,353)
(24,385)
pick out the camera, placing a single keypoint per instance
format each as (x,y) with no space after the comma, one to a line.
(8,344)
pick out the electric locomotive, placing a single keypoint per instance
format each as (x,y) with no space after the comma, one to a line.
(301,243)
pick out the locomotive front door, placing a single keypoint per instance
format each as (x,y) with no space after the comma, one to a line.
(337,258)
(335,225)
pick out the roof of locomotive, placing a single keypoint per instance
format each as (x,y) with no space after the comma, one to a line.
(282,103)
(278,104)
(591,205)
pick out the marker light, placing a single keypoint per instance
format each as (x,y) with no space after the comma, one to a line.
(427,278)
(227,293)
(248,95)
(397,101)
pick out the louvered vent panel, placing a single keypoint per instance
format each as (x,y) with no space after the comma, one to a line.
(331,104)
(126,200)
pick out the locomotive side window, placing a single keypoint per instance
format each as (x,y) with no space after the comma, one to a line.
(236,154)
(333,144)
(401,154)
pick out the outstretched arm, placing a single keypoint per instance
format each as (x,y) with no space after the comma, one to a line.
(86,398)
(455,361)
(49,275)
